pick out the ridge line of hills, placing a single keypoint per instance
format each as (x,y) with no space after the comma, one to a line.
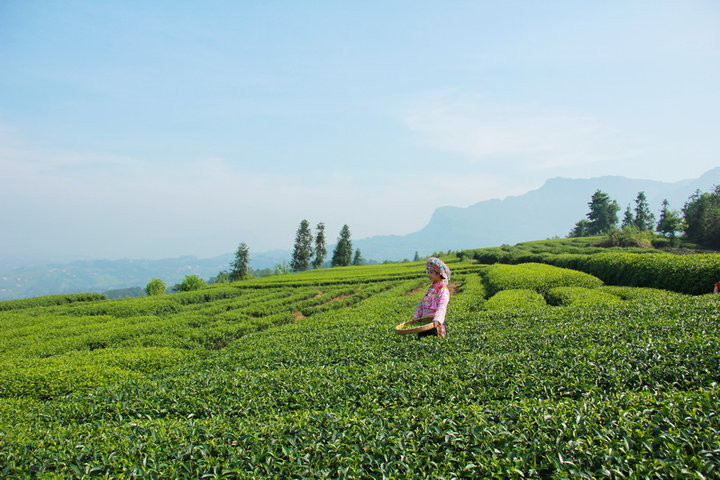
(546,212)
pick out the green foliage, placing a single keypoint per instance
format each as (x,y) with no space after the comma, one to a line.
(358,259)
(303,249)
(702,218)
(515,299)
(342,255)
(239,267)
(670,221)
(691,273)
(644,220)
(320,248)
(223,276)
(534,276)
(191,282)
(235,384)
(628,218)
(50,300)
(155,287)
(581,229)
(580,296)
(630,236)
(281,269)
(602,214)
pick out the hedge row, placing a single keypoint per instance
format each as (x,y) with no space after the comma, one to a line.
(563,296)
(515,299)
(590,392)
(535,276)
(49,300)
(691,274)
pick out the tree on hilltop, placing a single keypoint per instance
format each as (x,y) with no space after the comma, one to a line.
(320,249)
(581,229)
(628,218)
(281,269)
(155,287)
(702,218)
(191,282)
(644,219)
(357,259)
(342,255)
(223,276)
(670,222)
(302,252)
(239,267)
(603,213)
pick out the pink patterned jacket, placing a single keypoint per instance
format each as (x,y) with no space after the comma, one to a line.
(434,302)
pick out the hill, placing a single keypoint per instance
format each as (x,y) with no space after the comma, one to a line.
(103,275)
(547,212)
(546,373)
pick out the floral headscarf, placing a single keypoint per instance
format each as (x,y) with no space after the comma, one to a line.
(436,265)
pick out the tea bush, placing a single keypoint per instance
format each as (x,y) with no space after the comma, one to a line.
(580,296)
(534,276)
(515,299)
(601,389)
(692,274)
(50,300)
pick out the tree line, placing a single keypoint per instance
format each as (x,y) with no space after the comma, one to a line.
(309,252)
(698,221)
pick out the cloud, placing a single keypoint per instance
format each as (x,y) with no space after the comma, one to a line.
(523,136)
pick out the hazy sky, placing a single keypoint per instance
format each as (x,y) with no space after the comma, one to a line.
(155,129)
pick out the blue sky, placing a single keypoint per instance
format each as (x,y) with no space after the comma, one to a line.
(154,129)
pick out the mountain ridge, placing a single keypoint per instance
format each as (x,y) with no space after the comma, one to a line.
(548,211)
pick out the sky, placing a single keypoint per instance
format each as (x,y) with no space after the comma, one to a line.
(132,129)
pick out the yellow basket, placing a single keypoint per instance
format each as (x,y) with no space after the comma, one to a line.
(421,328)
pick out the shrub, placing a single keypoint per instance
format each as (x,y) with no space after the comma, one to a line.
(191,282)
(628,237)
(49,300)
(515,299)
(580,296)
(535,276)
(155,287)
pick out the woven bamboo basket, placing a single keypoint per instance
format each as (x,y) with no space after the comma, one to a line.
(402,330)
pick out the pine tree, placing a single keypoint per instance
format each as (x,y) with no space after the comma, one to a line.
(239,268)
(320,249)
(670,222)
(342,255)
(303,248)
(603,213)
(416,258)
(357,259)
(644,219)
(628,218)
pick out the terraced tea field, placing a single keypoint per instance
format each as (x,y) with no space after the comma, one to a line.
(545,373)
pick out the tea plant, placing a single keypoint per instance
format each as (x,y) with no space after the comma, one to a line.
(302,376)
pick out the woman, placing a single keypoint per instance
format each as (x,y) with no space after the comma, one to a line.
(436,298)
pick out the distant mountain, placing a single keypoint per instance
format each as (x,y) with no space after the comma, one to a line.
(549,211)
(103,275)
